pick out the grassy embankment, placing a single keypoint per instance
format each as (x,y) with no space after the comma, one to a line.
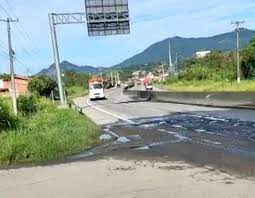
(49,134)
(76,91)
(210,86)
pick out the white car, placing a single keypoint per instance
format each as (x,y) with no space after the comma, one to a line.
(96,91)
(149,87)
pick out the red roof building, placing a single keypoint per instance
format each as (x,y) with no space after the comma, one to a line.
(21,84)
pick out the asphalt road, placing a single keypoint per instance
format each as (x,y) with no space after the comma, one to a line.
(118,105)
(156,150)
(222,138)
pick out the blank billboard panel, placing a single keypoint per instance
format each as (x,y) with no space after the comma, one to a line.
(101,6)
(107,17)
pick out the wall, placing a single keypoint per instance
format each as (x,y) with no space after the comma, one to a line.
(21,85)
(217,99)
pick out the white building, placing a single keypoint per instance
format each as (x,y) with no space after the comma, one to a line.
(202,54)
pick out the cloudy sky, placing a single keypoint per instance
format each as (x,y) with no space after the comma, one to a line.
(152,21)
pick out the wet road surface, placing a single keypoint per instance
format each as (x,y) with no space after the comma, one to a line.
(220,138)
(149,150)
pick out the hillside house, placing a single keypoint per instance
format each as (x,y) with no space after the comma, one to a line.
(20,82)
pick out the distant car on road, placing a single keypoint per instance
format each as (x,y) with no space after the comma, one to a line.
(149,87)
(96,89)
(147,84)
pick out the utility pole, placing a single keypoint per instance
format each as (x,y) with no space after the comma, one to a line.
(170,54)
(176,61)
(101,75)
(11,54)
(56,58)
(112,78)
(238,23)
(118,74)
(116,78)
(163,72)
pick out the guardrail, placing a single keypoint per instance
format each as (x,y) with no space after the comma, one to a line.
(216,99)
(74,107)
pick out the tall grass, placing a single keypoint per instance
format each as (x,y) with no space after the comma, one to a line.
(48,135)
(210,86)
(76,91)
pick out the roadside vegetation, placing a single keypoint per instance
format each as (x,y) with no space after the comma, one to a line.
(76,84)
(215,72)
(209,86)
(42,132)
(76,91)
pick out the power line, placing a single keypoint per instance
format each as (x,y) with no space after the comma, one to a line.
(21,29)
(20,62)
(3,44)
(21,34)
(4,53)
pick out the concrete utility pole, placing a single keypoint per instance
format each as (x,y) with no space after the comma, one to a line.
(116,78)
(101,76)
(163,72)
(176,62)
(118,74)
(11,54)
(112,79)
(170,54)
(237,23)
(56,58)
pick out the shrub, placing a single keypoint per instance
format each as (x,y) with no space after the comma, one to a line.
(27,105)
(42,85)
(72,79)
(48,135)
(248,61)
(198,72)
(7,120)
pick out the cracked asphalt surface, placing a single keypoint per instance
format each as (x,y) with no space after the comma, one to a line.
(222,138)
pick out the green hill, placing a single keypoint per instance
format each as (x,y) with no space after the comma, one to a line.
(187,47)
(69,67)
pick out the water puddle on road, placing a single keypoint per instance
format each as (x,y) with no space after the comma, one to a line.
(196,138)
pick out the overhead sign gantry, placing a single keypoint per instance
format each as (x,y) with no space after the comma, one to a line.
(103,17)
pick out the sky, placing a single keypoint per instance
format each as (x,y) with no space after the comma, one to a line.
(151,21)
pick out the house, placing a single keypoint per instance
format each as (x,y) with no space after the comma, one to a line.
(21,84)
(202,54)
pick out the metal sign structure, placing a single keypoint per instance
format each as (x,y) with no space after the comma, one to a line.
(107,17)
(103,17)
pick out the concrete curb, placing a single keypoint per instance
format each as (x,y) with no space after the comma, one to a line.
(244,100)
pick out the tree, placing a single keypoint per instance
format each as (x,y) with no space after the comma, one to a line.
(248,61)
(72,79)
(42,85)
(215,66)
(5,76)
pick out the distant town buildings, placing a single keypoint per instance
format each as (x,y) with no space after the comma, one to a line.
(20,82)
(202,54)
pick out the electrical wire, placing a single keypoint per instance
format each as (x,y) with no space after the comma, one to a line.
(20,31)
(2,44)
